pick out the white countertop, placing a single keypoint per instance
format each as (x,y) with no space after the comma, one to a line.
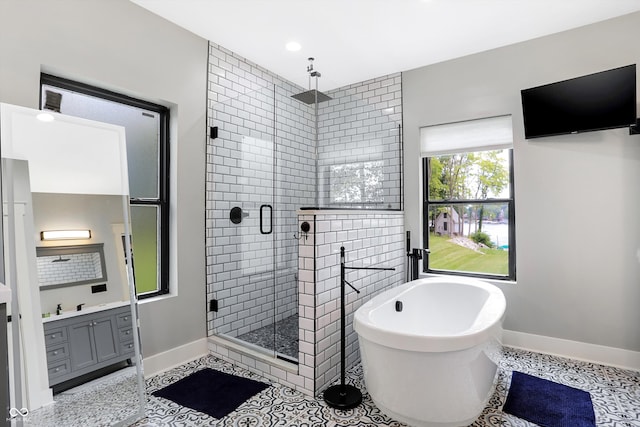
(5,294)
(85,310)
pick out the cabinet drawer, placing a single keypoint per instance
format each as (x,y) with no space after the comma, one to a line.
(126,348)
(126,334)
(124,319)
(58,369)
(55,336)
(57,352)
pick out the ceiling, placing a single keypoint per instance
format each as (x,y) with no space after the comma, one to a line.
(356,40)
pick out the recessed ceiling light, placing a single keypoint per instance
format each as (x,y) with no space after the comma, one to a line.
(293,46)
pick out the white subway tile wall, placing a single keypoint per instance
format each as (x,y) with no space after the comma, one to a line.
(377,241)
(263,269)
(361,126)
(370,240)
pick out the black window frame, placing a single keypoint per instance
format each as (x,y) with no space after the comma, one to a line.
(510,201)
(163,200)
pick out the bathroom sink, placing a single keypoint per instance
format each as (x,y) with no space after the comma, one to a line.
(85,310)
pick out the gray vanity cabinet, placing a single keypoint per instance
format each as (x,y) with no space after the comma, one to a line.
(92,340)
(81,344)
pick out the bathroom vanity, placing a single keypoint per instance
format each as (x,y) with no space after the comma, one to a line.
(78,343)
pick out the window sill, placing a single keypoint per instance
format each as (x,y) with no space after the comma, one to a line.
(156,298)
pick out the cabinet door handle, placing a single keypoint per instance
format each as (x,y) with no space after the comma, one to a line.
(55,353)
(57,369)
(53,336)
(126,318)
(129,332)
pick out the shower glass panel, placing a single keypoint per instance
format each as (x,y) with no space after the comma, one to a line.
(294,188)
(255,268)
(361,170)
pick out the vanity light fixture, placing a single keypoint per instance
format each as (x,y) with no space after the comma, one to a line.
(65,235)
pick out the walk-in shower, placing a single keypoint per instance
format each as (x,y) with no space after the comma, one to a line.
(279,149)
(261,170)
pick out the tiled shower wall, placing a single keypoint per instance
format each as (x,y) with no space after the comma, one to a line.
(261,160)
(360,129)
(372,239)
(252,108)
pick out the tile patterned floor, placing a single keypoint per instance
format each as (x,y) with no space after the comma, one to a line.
(103,402)
(615,394)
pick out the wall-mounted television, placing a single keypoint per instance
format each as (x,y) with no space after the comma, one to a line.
(604,100)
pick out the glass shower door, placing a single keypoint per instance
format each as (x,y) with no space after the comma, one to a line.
(255,242)
(254,196)
(242,167)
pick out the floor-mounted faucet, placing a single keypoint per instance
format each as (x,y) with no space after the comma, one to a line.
(414,255)
(345,396)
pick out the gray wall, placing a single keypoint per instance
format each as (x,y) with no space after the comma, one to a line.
(117,45)
(577,198)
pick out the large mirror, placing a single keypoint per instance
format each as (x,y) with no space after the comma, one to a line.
(73,339)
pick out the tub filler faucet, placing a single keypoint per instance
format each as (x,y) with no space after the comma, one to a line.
(414,255)
(345,396)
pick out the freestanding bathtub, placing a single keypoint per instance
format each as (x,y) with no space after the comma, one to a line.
(430,349)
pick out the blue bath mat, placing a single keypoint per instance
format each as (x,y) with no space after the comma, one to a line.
(212,392)
(547,403)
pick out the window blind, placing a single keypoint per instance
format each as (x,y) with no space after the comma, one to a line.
(492,133)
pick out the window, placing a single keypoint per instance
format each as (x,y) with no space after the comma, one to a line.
(468,210)
(147,132)
(357,184)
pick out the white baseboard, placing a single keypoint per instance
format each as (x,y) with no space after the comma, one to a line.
(611,356)
(161,362)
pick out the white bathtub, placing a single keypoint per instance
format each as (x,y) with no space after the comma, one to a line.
(433,363)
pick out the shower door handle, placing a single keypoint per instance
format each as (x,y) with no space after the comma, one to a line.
(262,230)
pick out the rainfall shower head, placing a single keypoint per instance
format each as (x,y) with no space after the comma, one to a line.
(312,96)
(309,97)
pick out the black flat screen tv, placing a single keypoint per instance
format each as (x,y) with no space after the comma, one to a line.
(604,100)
